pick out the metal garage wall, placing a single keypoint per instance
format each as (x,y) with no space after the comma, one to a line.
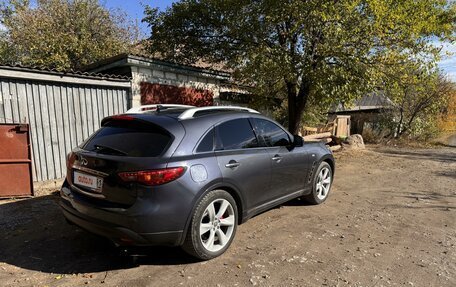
(61,116)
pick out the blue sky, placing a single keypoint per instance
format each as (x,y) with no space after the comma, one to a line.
(135,9)
(448,62)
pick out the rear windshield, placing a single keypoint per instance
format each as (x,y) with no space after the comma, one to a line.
(129,138)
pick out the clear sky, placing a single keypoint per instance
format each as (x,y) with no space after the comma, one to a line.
(135,9)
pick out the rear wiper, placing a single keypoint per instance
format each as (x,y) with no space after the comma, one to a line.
(101,148)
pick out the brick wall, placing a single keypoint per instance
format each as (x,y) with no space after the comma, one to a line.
(168,94)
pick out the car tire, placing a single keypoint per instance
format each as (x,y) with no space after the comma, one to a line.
(213,226)
(321,184)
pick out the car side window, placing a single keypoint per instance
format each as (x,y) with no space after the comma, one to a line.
(270,134)
(235,134)
(207,143)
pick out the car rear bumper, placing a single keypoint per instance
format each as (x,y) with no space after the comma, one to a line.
(119,226)
(120,235)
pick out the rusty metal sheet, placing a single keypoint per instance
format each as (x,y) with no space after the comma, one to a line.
(15,161)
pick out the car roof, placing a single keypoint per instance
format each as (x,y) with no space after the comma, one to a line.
(190,130)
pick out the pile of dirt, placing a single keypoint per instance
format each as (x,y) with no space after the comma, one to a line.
(47,187)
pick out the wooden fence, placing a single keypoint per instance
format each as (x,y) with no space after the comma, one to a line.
(62,111)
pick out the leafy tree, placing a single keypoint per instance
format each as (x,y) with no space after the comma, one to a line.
(447,121)
(420,97)
(314,51)
(62,34)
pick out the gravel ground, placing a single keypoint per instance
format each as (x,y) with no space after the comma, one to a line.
(389,221)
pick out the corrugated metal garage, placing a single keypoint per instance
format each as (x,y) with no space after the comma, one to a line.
(62,109)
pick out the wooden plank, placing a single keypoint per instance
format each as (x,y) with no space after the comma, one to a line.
(52,140)
(125,104)
(109,102)
(310,129)
(79,109)
(61,133)
(89,110)
(325,140)
(121,102)
(335,148)
(46,132)
(343,123)
(7,102)
(38,150)
(36,167)
(14,101)
(124,101)
(104,101)
(93,97)
(113,101)
(85,113)
(66,115)
(99,105)
(2,105)
(22,101)
(72,117)
(117,101)
(317,136)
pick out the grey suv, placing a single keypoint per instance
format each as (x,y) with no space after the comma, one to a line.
(186,176)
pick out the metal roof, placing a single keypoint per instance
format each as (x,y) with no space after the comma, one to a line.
(70,73)
(369,102)
(124,59)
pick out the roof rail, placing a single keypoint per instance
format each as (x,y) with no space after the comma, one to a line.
(147,108)
(190,113)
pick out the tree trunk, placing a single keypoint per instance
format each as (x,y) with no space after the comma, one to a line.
(399,124)
(297,101)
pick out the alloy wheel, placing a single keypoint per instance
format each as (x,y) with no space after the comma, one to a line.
(323,183)
(217,225)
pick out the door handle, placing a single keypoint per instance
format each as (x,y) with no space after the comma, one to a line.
(277,158)
(232,164)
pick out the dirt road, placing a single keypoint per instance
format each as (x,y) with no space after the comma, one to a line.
(390,221)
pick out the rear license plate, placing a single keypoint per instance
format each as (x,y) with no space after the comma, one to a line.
(86,180)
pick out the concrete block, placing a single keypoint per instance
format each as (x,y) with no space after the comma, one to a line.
(158,73)
(171,76)
(183,78)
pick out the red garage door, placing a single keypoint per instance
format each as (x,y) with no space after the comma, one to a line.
(166,94)
(15,161)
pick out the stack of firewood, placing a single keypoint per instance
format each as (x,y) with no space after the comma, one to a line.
(325,137)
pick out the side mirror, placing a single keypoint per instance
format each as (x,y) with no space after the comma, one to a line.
(298,140)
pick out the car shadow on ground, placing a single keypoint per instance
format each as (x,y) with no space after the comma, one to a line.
(35,236)
(449,156)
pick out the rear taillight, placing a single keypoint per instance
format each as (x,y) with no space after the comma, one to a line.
(71,157)
(153,177)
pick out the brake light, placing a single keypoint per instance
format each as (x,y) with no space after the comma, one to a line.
(122,118)
(153,177)
(117,118)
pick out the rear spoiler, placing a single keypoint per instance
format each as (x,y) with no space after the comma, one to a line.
(117,118)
